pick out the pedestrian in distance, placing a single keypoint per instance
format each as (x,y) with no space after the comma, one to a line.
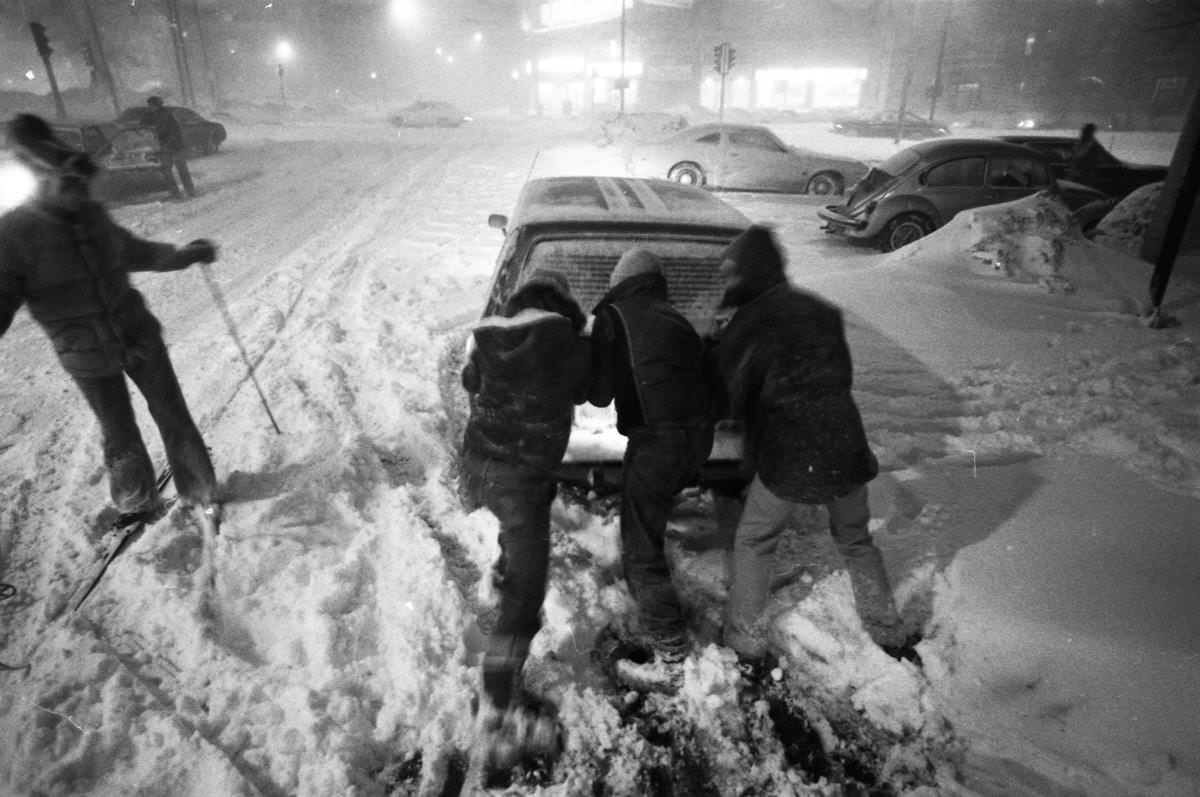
(1086,154)
(787,371)
(172,149)
(528,367)
(69,262)
(649,361)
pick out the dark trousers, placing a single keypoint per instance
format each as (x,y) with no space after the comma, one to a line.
(172,162)
(520,499)
(131,477)
(659,462)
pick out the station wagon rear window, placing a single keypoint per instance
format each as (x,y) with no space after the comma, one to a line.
(691,267)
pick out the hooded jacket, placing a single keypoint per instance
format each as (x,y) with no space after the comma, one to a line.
(648,358)
(525,374)
(72,270)
(787,369)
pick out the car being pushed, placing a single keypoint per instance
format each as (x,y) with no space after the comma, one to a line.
(1113,176)
(429,114)
(742,157)
(920,188)
(580,226)
(202,136)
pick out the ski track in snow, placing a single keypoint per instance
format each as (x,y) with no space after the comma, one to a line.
(335,661)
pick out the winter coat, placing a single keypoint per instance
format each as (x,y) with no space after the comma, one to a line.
(649,358)
(788,374)
(73,272)
(525,375)
(168,131)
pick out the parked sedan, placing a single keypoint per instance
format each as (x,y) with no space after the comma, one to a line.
(429,114)
(1114,176)
(887,124)
(202,136)
(920,188)
(742,157)
(127,156)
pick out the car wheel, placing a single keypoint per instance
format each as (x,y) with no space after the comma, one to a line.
(903,230)
(686,173)
(826,183)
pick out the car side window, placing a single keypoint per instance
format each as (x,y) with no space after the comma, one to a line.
(753,139)
(1009,172)
(957,173)
(711,138)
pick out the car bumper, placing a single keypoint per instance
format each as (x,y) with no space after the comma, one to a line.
(839,223)
(596,451)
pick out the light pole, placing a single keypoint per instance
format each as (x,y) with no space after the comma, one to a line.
(283,53)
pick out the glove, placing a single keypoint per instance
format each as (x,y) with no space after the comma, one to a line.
(201,250)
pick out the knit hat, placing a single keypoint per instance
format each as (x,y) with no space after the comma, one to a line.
(633,263)
(550,278)
(35,144)
(758,264)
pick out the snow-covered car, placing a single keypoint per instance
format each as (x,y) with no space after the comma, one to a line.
(920,188)
(744,158)
(429,114)
(127,155)
(580,226)
(1114,176)
(887,123)
(202,136)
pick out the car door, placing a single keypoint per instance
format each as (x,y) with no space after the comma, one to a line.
(757,161)
(956,184)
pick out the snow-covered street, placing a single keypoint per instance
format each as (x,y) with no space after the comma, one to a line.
(1037,510)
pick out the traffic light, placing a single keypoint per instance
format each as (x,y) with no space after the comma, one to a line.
(723,58)
(39,39)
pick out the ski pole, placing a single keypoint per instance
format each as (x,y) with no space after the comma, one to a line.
(206,270)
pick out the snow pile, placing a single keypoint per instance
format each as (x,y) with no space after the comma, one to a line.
(1125,225)
(1022,240)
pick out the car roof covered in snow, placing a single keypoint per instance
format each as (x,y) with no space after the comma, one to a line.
(622,201)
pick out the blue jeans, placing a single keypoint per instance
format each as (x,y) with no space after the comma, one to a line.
(659,462)
(131,476)
(763,520)
(520,498)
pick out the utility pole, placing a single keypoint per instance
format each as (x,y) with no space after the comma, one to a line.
(1165,233)
(622,81)
(935,91)
(98,55)
(208,68)
(186,90)
(44,50)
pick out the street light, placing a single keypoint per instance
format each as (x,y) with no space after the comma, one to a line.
(283,53)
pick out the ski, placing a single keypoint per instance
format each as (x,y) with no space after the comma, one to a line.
(125,534)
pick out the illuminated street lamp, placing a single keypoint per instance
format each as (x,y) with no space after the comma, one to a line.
(283,53)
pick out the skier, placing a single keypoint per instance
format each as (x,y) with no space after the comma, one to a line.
(649,360)
(171,148)
(63,255)
(786,366)
(527,369)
